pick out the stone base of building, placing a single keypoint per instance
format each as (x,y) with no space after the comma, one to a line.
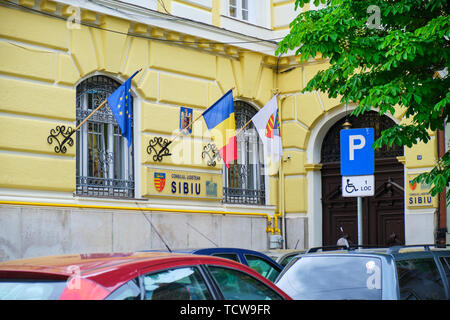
(297,233)
(28,231)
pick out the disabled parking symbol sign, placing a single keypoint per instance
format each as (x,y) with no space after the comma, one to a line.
(358,186)
(357,162)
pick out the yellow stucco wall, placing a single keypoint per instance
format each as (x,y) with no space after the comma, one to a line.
(41,61)
(39,73)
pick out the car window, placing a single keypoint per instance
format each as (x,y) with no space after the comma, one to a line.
(289,264)
(263,267)
(230,256)
(128,291)
(287,259)
(237,285)
(31,290)
(419,279)
(176,284)
(332,278)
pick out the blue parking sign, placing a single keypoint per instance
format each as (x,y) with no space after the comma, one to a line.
(357,154)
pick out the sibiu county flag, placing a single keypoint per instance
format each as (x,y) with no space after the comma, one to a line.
(120,103)
(267,124)
(219,119)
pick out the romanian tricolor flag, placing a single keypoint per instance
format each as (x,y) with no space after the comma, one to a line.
(219,119)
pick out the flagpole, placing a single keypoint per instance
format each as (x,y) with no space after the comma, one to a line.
(87,118)
(92,113)
(248,122)
(186,129)
(179,134)
(181,131)
(98,108)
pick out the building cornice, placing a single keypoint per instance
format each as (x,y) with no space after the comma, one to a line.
(154,19)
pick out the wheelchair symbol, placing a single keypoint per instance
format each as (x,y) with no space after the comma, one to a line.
(350,187)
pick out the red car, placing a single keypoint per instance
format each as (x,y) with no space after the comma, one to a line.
(133,276)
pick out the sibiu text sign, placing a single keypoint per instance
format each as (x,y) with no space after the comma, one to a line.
(182,184)
(418,194)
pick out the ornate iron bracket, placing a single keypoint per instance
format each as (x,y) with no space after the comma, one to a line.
(212,152)
(161,144)
(61,135)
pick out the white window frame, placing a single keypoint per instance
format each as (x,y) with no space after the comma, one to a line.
(259,15)
(239,9)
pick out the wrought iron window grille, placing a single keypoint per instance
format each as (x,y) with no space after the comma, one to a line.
(105,164)
(244,181)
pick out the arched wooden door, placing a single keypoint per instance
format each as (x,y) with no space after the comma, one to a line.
(383,213)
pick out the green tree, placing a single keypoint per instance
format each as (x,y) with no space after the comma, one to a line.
(383,54)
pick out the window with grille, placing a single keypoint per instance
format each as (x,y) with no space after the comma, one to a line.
(244,180)
(105,166)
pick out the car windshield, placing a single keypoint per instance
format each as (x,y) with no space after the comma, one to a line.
(287,259)
(263,267)
(31,290)
(333,278)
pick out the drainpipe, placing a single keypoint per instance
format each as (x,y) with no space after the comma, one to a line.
(281,214)
(280,172)
(441,229)
(282,193)
(442,211)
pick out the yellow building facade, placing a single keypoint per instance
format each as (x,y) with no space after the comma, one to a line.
(58,59)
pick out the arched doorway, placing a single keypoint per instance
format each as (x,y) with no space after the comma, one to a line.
(383,213)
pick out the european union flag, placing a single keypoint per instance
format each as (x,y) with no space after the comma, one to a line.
(120,103)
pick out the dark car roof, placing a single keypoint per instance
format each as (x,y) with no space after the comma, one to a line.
(395,251)
(221,250)
(211,251)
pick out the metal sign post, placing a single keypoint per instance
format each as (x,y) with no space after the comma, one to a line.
(360,221)
(357,168)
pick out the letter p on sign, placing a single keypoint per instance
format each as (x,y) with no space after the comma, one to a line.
(357,154)
(353,145)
